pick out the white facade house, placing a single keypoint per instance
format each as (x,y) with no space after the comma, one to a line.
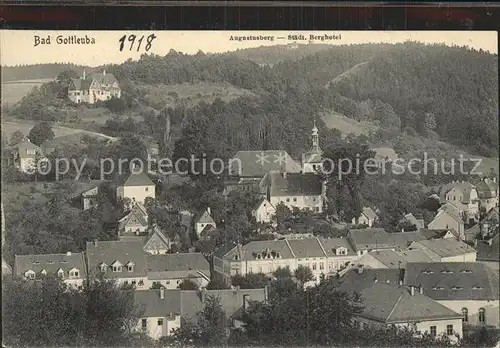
(95,87)
(136,187)
(323,256)
(27,157)
(367,217)
(264,211)
(204,220)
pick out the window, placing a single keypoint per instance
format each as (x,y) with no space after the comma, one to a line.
(130,268)
(321,265)
(160,321)
(288,199)
(482,315)
(260,269)
(314,266)
(449,330)
(356,324)
(126,282)
(117,268)
(144,323)
(465,315)
(314,199)
(141,282)
(104,268)
(168,282)
(295,199)
(433,331)
(146,189)
(330,265)
(75,274)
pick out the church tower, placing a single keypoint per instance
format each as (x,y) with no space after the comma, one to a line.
(312,159)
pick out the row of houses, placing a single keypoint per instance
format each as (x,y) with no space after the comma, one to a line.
(124,261)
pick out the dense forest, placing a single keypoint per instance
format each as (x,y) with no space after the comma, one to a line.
(440,92)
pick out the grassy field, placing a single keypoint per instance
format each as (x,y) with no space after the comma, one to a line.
(347,125)
(9,127)
(14,91)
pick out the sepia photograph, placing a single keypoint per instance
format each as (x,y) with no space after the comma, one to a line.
(250,188)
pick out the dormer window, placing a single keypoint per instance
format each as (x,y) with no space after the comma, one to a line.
(466,271)
(438,288)
(29,274)
(104,268)
(457,288)
(130,266)
(117,268)
(477,288)
(427,272)
(341,251)
(445,271)
(60,273)
(74,273)
(43,272)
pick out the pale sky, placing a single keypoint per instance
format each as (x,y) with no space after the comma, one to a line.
(17,47)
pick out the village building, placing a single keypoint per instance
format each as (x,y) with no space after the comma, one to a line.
(487,190)
(168,310)
(367,217)
(171,270)
(208,233)
(488,252)
(157,243)
(70,267)
(123,261)
(468,288)
(86,195)
(388,302)
(439,234)
(448,217)
(256,164)
(446,250)
(323,256)
(393,259)
(371,239)
(411,220)
(95,87)
(462,195)
(136,187)
(263,211)
(134,224)
(25,156)
(295,190)
(203,221)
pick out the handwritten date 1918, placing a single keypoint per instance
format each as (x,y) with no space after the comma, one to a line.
(136,41)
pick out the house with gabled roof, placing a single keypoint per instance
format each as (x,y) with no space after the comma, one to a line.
(157,242)
(136,187)
(165,310)
(468,288)
(463,195)
(95,87)
(367,217)
(487,190)
(203,220)
(388,302)
(370,239)
(70,267)
(86,195)
(296,190)
(412,221)
(135,223)
(263,211)
(446,250)
(488,252)
(123,261)
(170,270)
(448,217)
(256,164)
(24,156)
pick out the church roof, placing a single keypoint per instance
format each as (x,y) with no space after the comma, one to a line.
(258,163)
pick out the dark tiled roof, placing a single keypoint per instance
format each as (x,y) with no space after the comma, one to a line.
(51,263)
(103,78)
(306,247)
(330,246)
(358,281)
(224,249)
(177,262)
(204,218)
(389,303)
(80,84)
(258,163)
(152,305)
(378,238)
(454,280)
(295,184)
(139,179)
(487,251)
(84,186)
(398,259)
(444,247)
(486,188)
(123,251)
(230,300)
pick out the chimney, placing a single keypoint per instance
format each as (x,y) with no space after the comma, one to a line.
(104,73)
(360,269)
(84,74)
(412,290)
(68,253)
(421,289)
(209,211)
(162,293)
